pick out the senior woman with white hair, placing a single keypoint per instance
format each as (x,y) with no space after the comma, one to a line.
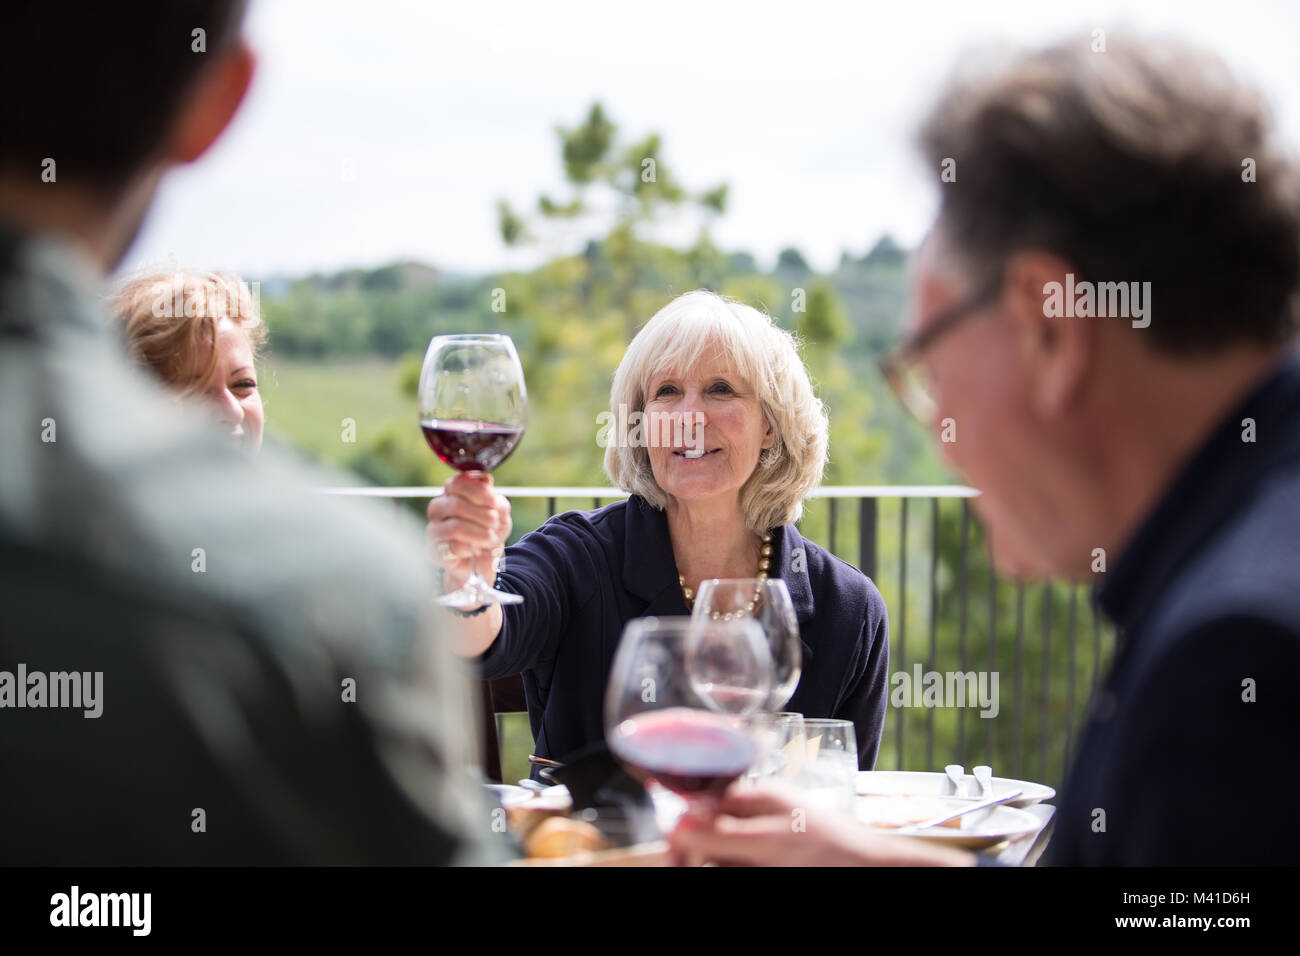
(719,502)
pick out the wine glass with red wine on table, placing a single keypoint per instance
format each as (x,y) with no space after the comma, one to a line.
(678,694)
(473,409)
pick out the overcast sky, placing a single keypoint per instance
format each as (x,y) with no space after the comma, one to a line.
(388,129)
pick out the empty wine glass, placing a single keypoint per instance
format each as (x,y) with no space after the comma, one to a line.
(473,409)
(766,600)
(729,665)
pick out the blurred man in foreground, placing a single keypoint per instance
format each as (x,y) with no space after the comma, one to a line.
(201,661)
(1105,311)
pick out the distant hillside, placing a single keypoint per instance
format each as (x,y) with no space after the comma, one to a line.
(396,308)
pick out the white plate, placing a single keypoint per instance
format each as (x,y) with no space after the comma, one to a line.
(508,795)
(552,798)
(937,785)
(979,830)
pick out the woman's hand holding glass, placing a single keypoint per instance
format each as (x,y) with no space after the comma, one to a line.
(469,525)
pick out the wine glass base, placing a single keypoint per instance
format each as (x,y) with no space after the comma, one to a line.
(467,598)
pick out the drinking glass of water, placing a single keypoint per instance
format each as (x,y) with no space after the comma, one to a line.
(829,774)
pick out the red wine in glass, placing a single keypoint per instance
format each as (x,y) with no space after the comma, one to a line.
(692,752)
(471,446)
(473,406)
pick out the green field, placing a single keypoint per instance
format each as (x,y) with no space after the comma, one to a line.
(307,401)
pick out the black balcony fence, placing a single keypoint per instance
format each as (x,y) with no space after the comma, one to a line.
(983,670)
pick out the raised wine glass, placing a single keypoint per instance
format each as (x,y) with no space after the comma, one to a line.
(473,409)
(659,719)
(767,601)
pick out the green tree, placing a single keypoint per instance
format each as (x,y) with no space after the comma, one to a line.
(615,189)
(823,323)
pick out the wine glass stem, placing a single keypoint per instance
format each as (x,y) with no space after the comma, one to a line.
(478,585)
(702,808)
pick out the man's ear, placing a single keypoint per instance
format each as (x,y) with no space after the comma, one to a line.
(211,104)
(1056,348)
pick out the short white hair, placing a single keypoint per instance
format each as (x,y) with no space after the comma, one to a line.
(767,358)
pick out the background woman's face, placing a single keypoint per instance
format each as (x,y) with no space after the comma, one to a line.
(232,390)
(733,431)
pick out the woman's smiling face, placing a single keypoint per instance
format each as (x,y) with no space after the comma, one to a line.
(231,391)
(722,430)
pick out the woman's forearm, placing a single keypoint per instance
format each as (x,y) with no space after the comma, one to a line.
(471,636)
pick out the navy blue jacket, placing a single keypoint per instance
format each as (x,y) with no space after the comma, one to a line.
(1176,764)
(584,575)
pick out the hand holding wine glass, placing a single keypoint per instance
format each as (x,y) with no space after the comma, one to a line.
(469,524)
(473,408)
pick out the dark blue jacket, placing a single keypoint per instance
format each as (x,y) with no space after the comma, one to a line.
(1177,765)
(584,575)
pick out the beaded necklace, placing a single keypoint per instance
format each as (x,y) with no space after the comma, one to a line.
(764,563)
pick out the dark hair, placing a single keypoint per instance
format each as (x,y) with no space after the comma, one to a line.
(96,87)
(1129,164)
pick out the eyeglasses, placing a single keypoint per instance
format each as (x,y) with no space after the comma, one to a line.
(902,367)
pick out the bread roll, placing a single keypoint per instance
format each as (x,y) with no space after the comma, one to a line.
(561,836)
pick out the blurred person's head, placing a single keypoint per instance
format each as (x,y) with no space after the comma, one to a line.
(1144,183)
(102,100)
(751,428)
(200,335)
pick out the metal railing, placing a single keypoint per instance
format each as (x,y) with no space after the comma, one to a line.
(950,613)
